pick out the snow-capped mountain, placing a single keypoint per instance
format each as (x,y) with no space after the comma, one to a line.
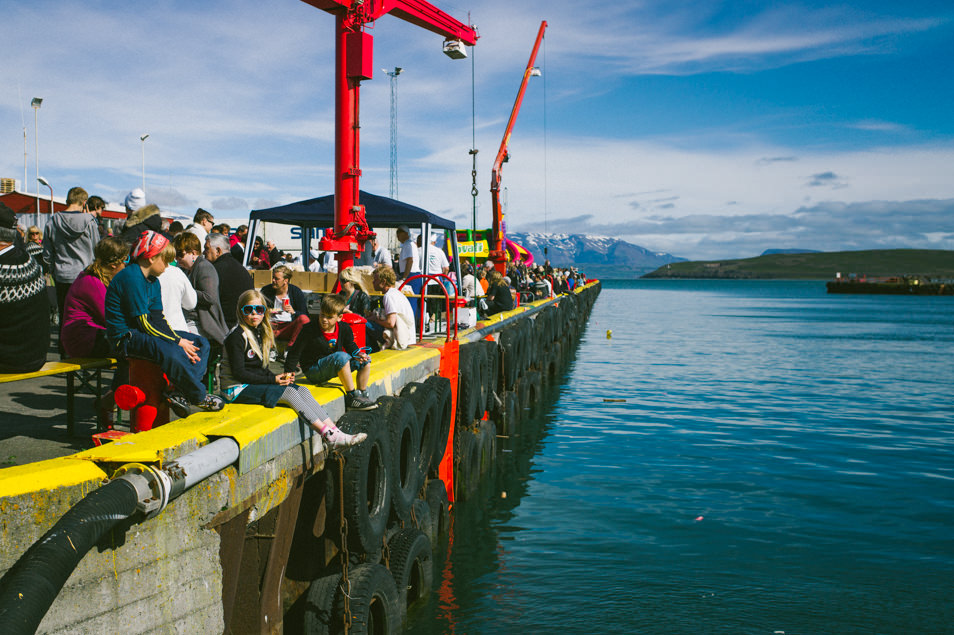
(597,255)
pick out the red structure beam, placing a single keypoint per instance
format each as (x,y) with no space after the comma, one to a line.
(353,64)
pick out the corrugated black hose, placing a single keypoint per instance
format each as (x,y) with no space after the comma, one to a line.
(31,585)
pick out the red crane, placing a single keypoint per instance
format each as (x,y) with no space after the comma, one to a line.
(498,248)
(353,64)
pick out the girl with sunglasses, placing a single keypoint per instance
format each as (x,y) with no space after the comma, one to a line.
(250,381)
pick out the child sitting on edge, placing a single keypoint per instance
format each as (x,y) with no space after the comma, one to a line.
(326,348)
(136,326)
(250,381)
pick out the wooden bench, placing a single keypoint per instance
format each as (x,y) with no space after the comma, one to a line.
(85,370)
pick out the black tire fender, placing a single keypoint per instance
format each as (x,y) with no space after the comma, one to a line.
(412,566)
(440,386)
(368,473)
(373,601)
(435,494)
(425,404)
(408,475)
(319,605)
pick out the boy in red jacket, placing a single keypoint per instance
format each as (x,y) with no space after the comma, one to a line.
(326,348)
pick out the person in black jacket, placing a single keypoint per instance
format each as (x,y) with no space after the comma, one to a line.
(24,307)
(287,305)
(356,300)
(498,294)
(234,279)
(250,381)
(326,348)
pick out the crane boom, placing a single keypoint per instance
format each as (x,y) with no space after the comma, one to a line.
(497,244)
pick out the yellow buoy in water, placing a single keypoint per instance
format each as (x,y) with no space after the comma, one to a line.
(609,334)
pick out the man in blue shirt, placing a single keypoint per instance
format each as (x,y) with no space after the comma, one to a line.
(136,326)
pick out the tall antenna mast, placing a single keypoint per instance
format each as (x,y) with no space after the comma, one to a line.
(394,166)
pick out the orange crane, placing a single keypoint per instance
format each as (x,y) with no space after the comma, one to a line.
(498,245)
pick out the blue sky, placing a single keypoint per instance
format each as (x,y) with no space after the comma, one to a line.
(705,129)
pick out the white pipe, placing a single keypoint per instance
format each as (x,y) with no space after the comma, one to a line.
(196,466)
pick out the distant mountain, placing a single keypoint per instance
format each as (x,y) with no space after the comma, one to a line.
(598,256)
(769,252)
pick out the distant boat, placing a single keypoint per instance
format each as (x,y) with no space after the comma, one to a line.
(903,285)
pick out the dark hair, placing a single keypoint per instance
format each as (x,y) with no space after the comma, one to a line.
(94,203)
(202,215)
(175,227)
(109,251)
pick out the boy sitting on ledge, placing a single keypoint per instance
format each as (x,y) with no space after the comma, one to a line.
(326,348)
(136,326)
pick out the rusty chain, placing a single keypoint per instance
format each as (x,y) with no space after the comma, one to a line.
(345,582)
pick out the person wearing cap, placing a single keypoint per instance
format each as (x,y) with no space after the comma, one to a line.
(71,237)
(134,200)
(437,263)
(409,260)
(146,218)
(136,326)
(23,302)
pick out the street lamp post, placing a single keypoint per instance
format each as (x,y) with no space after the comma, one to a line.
(143,140)
(36,148)
(47,184)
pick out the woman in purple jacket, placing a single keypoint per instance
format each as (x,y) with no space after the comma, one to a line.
(83,333)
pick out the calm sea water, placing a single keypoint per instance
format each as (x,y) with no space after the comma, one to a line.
(783,462)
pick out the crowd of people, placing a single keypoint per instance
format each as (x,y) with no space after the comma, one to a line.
(182,298)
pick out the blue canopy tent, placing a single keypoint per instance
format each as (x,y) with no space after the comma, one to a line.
(380,211)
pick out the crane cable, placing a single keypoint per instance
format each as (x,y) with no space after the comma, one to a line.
(473,154)
(545,179)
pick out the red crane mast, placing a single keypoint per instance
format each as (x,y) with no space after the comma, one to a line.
(353,64)
(498,248)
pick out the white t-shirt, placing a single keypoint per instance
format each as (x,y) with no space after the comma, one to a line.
(177,294)
(396,302)
(409,250)
(436,260)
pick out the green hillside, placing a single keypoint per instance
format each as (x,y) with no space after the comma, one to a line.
(932,263)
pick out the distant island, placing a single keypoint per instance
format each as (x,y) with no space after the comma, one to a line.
(935,264)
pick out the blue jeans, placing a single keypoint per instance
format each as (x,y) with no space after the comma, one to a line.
(181,371)
(326,368)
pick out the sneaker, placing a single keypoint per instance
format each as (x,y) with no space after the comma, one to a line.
(179,404)
(357,401)
(337,439)
(364,393)
(211,403)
